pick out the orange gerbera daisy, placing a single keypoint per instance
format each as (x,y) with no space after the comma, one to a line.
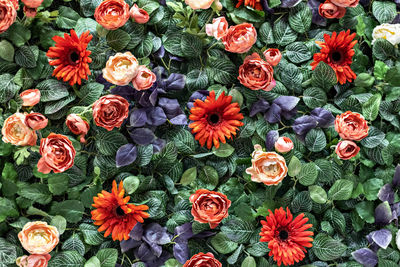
(287,237)
(115,215)
(215,119)
(256,4)
(337,51)
(71,57)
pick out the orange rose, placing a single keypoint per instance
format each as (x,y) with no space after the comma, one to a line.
(331,11)
(34,260)
(144,79)
(32,3)
(38,237)
(16,132)
(36,121)
(30,97)
(273,56)
(110,111)
(267,167)
(347,149)
(199,4)
(240,38)
(283,144)
(209,207)
(218,28)
(77,126)
(57,153)
(345,3)
(112,14)
(121,68)
(351,126)
(30,12)
(139,14)
(203,260)
(8,14)
(256,74)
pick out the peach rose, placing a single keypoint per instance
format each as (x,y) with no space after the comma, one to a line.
(77,126)
(57,153)
(32,3)
(199,4)
(240,38)
(345,3)
(34,260)
(144,79)
(351,126)
(283,144)
(36,121)
(267,167)
(112,14)
(30,12)
(209,207)
(8,14)
(203,260)
(139,14)
(16,132)
(110,111)
(39,237)
(347,149)
(272,56)
(121,68)
(256,74)
(218,28)
(30,97)
(331,11)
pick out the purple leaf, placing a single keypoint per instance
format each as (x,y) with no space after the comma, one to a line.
(158,145)
(175,81)
(179,120)
(170,106)
(145,253)
(323,117)
(160,53)
(304,124)
(138,117)
(184,231)
(386,193)
(383,214)
(366,257)
(156,116)
(137,232)
(181,251)
(126,155)
(266,7)
(126,91)
(373,246)
(155,233)
(273,115)
(287,103)
(289,114)
(316,17)
(382,238)
(153,97)
(396,177)
(272,136)
(261,105)
(142,136)
(290,3)
(129,244)
(158,262)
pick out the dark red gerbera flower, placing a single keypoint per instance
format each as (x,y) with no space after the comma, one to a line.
(287,237)
(115,215)
(71,57)
(256,4)
(337,51)
(215,119)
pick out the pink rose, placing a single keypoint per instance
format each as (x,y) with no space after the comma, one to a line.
(8,14)
(30,12)
(110,111)
(218,28)
(32,3)
(144,78)
(16,132)
(30,97)
(36,121)
(272,56)
(199,4)
(77,126)
(283,144)
(256,74)
(34,260)
(347,149)
(331,11)
(139,14)
(345,3)
(240,38)
(39,237)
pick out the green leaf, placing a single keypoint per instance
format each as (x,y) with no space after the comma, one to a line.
(71,210)
(60,223)
(283,34)
(53,107)
(318,194)
(384,11)
(341,190)
(58,183)
(225,71)
(374,139)
(189,176)
(222,244)
(292,77)
(36,192)
(370,109)
(383,49)
(18,34)
(323,76)
(86,24)
(67,259)
(249,261)
(232,259)
(372,187)
(172,43)
(108,142)
(74,243)
(67,17)
(314,97)
(209,176)
(25,56)
(145,47)
(300,18)
(191,45)
(7,209)
(328,249)
(23,79)
(90,92)
(93,262)
(238,230)
(8,252)
(51,90)
(380,70)
(108,257)
(294,167)
(88,6)
(184,141)
(6,51)
(298,52)
(196,80)
(119,39)
(8,88)
(224,150)
(315,140)
(131,183)
(266,34)
(258,249)
(90,234)
(393,76)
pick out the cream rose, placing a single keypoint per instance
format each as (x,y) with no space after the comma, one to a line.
(39,237)
(121,68)
(390,32)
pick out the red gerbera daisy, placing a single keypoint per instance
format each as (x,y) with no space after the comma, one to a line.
(337,51)
(287,237)
(256,4)
(215,119)
(71,57)
(115,215)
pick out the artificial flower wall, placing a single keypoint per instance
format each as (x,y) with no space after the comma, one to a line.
(199,133)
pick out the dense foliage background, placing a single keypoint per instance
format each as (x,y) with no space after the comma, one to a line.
(339,197)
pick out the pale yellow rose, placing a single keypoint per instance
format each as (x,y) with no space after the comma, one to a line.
(390,32)
(39,237)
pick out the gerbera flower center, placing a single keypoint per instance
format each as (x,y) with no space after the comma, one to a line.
(119,211)
(214,119)
(283,234)
(74,57)
(336,56)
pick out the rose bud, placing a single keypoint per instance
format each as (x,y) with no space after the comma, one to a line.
(199,4)
(144,79)
(34,260)
(347,149)
(331,11)
(283,144)
(77,126)
(272,56)
(36,121)
(345,3)
(139,14)
(30,97)
(218,28)
(30,12)
(32,3)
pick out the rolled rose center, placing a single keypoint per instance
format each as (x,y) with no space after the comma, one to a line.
(214,119)
(283,234)
(16,131)
(271,168)
(39,237)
